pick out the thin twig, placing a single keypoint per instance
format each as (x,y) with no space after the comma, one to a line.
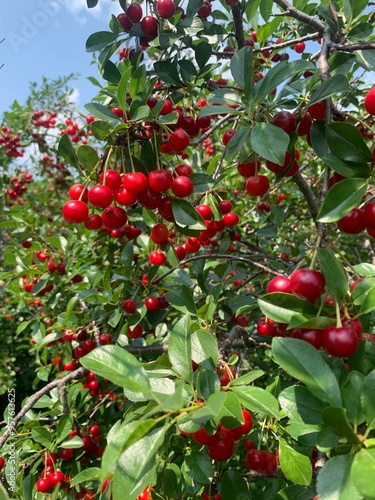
(299,15)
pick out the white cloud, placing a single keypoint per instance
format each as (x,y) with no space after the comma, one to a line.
(104,9)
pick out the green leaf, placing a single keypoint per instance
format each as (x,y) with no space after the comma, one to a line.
(266,9)
(335,480)
(3,493)
(365,269)
(282,307)
(186,215)
(203,53)
(202,182)
(336,419)
(138,82)
(341,198)
(295,466)
(334,273)
(334,85)
(351,393)
(66,150)
(301,406)
(181,299)
(197,466)
(92,3)
(270,142)
(42,436)
(167,72)
(294,492)
(241,69)
(204,349)
(100,129)
(258,400)
(74,443)
(99,40)
(367,399)
(347,143)
(230,414)
(303,362)
(118,366)
(179,346)
(88,157)
(247,378)
(91,474)
(362,474)
(101,111)
(368,303)
(207,382)
(237,142)
(122,88)
(233,485)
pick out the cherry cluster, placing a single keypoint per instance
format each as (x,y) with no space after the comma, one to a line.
(45,119)
(358,220)
(76,132)
(262,461)
(11,142)
(18,187)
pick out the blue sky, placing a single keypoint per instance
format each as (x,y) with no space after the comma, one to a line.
(47,38)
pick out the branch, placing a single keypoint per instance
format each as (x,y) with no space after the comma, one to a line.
(238,26)
(352,47)
(308,193)
(299,15)
(35,397)
(212,129)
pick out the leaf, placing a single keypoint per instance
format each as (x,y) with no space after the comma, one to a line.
(282,307)
(230,414)
(341,198)
(266,9)
(365,269)
(100,40)
(241,69)
(351,393)
(233,485)
(75,443)
(181,299)
(270,142)
(203,53)
(42,436)
(368,304)
(237,142)
(91,474)
(295,466)
(335,480)
(101,111)
(247,378)
(334,85)
(167,72)
(88,157)
(204,349)
(258,400)
(202,182)
(301,406)
(185,214)
(66,150)
(123,87)
(218,110)
(92,3)
(367,399)
(118,366)
(334,273)
(362,474)
(347,143)
(100,129)
(303,362)
(179,346)
(335,419)
(3,493)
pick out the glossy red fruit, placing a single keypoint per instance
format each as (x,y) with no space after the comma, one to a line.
(248,169)
(223,448)
(100,196)
(125,197)
(203,437)
(279,284)
(135,333)
(114,217)
(105,339)
(183,169)
(149,26)
(160,180)
(244,428)
(112,179)
(125,22)
(180,251)
(340,342)
(225,206)
(152,304)
(300,47)
(228,134)
(66,454)
(205,10)
(369,102)
(75,211)
(353,222)
(134,12)
(129,306)
(231,219)
(305,125)
(165,208)
(204,211)
(313,337)
(93,221)
(135,182)
(2,463)
(307,284)
(165,8)
(179,140)
(192,245)
(257,185)
(266,327)
(369,215)
(182,186)
(284,120)
(43,485)
(226,374)
(157,258)
(146,494)
(317,111)
(355,324)
(256,460)
(56,478)
(78,192)
(105,484)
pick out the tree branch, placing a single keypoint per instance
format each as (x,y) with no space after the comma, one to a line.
(352,47)
(238,26)
(308,193)
(299,15)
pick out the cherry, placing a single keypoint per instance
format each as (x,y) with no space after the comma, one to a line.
(256,460)
(182,186)
(313,337)
(300,47)
(112,179)
(152,304)
(78,192)
(135,333)
(266,327)
(157,258)
(135,182)
(340,342)
(165,208)
(205,10)
(317,111)
(244,428)
(223,448)
(149,26)
(150,199)
(129,306)
(75,211)
(146,494)
(307,284)
(225,206)
(202,437)
(114,217)
(284,120)
(100,196)
(124,21)
(118,112)
(43,485)
(279,284)
(160,180)
(180,251)
(227,136)
(369,102)
(105,338)
(159,233)
(93,221)
(248,169)
(192,245)
(165,8)
(56,478)
(134,12)
(369,215)
(355,324)
(257,185)
(2,463)
(230,219)
(305,125)
(226,374)
(205,211)
(353,222)
(179,140)
(66,454)
(167,108)
(183,169)
(125,197)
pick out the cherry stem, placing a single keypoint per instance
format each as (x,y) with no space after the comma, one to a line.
(338,316)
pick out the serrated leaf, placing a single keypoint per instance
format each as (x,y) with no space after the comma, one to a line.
(334,273)
(295,466)
(335,480)
(179,346)
(334,85)
(270,142)
(100,40)
(258,400)
(341,198)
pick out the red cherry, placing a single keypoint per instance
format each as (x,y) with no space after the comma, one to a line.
(93,221)
(202,437)
(165,8)
(256,460)
(160,180)
(248,169)
(75,211)
(353,222)
(157,258)
(125,22)
(78,192)
(225,206)
(150,199)
(226,375)
(369,102)
(313,337)
(369,215)
(205,211)
(182,186)
(149,26)
(223,448)
(192,245)
(279,284)
(125,197)
(340,342)
(112,179)
(66,454)
(118,112)
(146,494)
(135,333)
(228,134)
(159,233)
(183,169)
(105,338)
(129,306)
(317,111)
(114,217)
(135,182)
(100,196)
(300,47)
(152,304)
(205,10)
(266,327)
(180,251)
(355,324)
(257,185)
(305,125)
(230,219)
(284,120)
(244,428)
(2,463)
(307,284)
(179,140)
(43,485)
(56,478)
(134,12)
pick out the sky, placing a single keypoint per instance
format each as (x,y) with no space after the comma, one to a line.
(47,38)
